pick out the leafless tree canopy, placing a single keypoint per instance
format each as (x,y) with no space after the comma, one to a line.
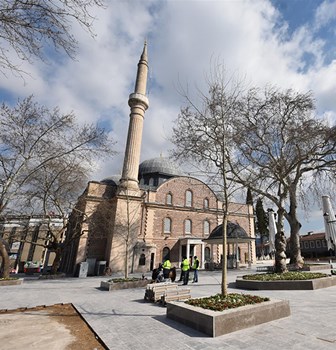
(29,26)
(45,160)
(267,140)
(36,142)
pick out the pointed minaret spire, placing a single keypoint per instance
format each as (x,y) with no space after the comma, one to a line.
(138,103)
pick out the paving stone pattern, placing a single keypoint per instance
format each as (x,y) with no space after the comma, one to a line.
(124,320)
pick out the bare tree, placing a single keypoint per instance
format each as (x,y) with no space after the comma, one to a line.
(42,146)
(29,27)
(202,133)
(281,149)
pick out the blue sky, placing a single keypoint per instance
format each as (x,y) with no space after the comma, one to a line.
(289,43)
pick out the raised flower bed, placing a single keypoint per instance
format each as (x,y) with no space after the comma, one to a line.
(216,323)
(10,281)
(123,283)
(286,281)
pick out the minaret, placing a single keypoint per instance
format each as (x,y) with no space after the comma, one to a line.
(138,103)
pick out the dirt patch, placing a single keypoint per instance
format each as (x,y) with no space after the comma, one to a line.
(53,327)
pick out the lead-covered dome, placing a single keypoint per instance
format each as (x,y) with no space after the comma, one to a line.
(160,165)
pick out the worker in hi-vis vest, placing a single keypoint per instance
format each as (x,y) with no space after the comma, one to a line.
(185,270)
(166,268)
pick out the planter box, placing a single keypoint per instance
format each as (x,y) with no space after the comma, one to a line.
(316,283)
(216,323)
(11,282)
(123,285)
(316,267)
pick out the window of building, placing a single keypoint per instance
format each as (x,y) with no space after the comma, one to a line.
(169,199)
(312,244)
(187,227)
(301,245)
(206,227)
(318,244)
(151,182)
(165,253)
(206,203)
(167,223)
(188,198)
(142,260)
(306,245)
(324,243)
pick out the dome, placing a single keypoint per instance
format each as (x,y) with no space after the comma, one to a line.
(161,165)
(112,180)
(235,233)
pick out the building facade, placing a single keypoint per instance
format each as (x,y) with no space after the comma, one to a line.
(152,212)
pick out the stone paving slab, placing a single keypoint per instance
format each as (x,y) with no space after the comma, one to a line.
(124,320)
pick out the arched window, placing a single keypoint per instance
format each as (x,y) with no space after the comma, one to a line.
(206,227)
(169,199)
(142,259)
(167,225)
(187,227)
(165,253)
(206,203)
(188,198)
(207,256)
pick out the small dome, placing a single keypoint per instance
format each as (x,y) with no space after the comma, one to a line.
(234,231)
(161,165)
(112,180)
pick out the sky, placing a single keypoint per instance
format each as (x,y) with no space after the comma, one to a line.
(288,43)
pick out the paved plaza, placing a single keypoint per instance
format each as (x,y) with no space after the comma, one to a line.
(124,320)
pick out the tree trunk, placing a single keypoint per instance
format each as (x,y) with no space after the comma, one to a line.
(224,262)
(4,271)
(280,245)
(295,225)
(295,250)
(56,262)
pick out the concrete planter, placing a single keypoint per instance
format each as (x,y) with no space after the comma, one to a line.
(316,283)
(11,282)
(316,267)
(216,323)
(123,285)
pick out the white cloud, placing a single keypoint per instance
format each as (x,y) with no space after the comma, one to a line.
(183,37)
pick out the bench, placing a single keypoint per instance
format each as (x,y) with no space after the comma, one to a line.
(265,268)
(155,291)
(176,295)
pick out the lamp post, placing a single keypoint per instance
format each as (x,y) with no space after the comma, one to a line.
(330,231)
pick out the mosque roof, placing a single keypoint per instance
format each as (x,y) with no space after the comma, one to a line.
(162,165)
(111,180)
(234,233)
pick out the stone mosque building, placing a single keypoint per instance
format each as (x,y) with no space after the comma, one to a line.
(153,211)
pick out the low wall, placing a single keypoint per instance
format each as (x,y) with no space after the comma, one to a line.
(316,283)
(123,285)
(216,323)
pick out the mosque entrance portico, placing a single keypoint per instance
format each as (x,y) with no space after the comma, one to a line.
(190,247)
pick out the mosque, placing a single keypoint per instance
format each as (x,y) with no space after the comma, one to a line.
(153,212)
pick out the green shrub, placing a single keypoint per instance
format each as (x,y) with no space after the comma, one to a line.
(286,276)
(219,303)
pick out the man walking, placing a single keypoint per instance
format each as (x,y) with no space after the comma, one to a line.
(195,267)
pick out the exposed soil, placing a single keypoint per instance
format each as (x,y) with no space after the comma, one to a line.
(66,315)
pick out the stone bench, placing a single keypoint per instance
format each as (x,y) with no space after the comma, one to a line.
(265,268)
(176,295)
(155,291)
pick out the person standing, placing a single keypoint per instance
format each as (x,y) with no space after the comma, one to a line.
(195,267)
(166,268)
(185,270)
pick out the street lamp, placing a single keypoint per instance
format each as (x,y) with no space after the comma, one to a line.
(330,231)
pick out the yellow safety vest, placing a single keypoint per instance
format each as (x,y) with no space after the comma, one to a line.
(166,264)
(185,265)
